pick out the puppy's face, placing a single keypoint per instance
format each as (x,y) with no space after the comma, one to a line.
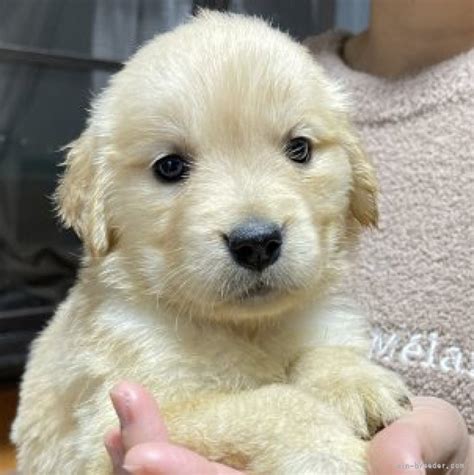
(219,174)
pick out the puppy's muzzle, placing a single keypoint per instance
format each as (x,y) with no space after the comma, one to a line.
(255,244)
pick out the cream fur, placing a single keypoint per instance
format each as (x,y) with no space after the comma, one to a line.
(275,384)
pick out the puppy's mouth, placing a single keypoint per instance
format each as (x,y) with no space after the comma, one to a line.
(256,291)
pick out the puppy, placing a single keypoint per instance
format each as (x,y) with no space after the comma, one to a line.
(219,190)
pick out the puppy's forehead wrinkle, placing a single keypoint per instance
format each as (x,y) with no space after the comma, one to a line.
(249,178)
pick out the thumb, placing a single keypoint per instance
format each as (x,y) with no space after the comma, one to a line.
(168,459)
(139,415)
(433,434)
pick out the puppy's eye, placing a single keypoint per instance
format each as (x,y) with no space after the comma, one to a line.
(171,168)
(298,150)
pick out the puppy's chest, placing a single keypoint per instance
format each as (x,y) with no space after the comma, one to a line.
(181,357)
(218,359)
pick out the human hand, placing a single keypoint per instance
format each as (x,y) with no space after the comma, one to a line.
(141,445)
(433,433)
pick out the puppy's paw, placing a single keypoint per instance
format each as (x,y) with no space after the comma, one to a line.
(367,395)
(370,398)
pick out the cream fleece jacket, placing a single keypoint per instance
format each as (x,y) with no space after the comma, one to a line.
(414,274)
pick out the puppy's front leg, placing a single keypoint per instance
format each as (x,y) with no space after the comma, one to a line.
(366,394)
(275,429)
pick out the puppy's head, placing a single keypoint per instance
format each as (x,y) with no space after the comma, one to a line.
(219,174)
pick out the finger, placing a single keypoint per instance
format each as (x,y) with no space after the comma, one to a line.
(441,430)
(395,451)
(434,433)
(113,444)
(167,459)
(140,419)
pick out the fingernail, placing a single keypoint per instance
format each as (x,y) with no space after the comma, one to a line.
(121,399)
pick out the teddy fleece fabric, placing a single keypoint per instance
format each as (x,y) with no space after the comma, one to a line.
(414,274)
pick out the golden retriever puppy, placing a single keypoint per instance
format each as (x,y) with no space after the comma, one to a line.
(219,190)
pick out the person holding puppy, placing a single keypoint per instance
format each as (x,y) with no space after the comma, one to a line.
(410,76)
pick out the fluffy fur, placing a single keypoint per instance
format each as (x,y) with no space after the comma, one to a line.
(274,384)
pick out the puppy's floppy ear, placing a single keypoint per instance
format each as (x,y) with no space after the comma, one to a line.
(80,196)
(363,199)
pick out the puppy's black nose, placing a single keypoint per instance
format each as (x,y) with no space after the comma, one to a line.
(255,244)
